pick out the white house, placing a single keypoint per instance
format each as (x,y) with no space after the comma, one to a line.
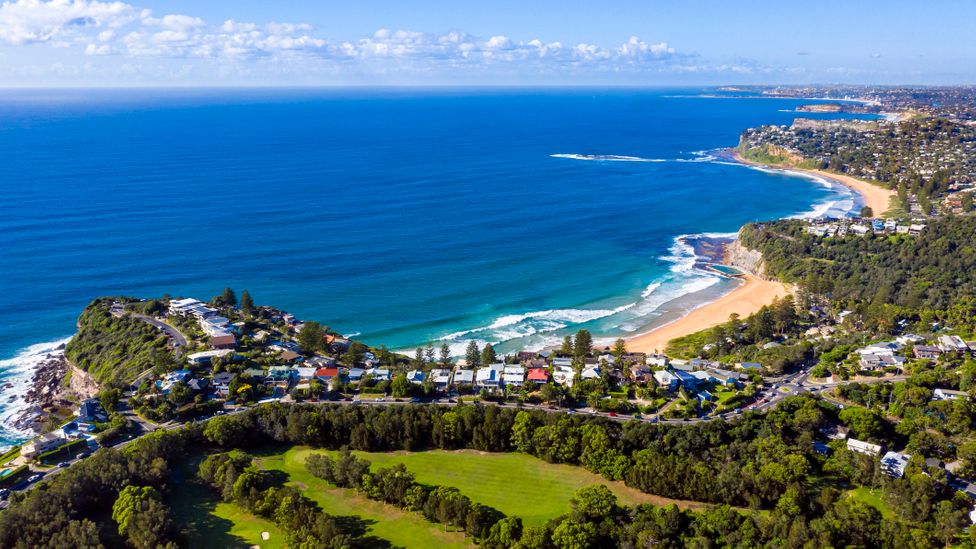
(666,379)
(656,360)
(43,443)
(953,344)
(441,377)
(862,447)
(592,372)
(894,463)
(463,378)
(949,394)
(490,377)
(563,375)
(513,375)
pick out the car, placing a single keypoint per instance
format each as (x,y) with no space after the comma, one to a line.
(4,493)
(34,478)
(571,411)
(612,414)
(64,464)
(415,400)
(83,455)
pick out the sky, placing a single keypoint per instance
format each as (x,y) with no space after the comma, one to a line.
(499,42)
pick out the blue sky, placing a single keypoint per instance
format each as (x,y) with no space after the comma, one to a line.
(435,42)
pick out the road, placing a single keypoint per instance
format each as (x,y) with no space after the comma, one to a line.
(179,340)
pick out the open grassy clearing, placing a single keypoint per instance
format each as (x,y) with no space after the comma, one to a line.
(209,522)
(873,498)
(384,524)
(515,484)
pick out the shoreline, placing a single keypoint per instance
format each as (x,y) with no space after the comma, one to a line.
(750,296)
(874,196)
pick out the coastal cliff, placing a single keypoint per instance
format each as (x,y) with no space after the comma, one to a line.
(750,261)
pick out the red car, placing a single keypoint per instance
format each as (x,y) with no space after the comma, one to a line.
(612,414)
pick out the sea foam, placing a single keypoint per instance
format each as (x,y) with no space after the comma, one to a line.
(18,371)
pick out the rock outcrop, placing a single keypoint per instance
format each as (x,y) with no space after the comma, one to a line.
(750,261)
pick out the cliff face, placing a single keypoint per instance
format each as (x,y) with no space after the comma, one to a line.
(81,383)
(743,258)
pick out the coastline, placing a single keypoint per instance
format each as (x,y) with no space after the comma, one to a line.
(875,197)
(749,297)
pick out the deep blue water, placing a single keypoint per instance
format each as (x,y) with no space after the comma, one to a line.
(403,216)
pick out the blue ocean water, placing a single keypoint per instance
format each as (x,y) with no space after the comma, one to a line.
(403,216)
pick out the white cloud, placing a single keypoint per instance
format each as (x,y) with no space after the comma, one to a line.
(32,21)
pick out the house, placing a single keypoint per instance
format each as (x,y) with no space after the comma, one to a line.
(537,363)
(666,379)
(563,375)
(326,374)
(953,344)
(821,448)
(91,411)
(834,432)
(930,352)
(221,382)
(640,373)
(879,361)
(894,463)
(656,360)
(172,378)
(198,385)
(440,377)
(686,380)
(591,372)
(563,362)
(934,463)
(862,447)
(463,378)
(43,443)
(701,364)
(281,373)
(513,375)
(490,377)
(538,375)
(305,373)
(705,396)
(205,357)
(949,394)
(416,377)
(355,375)
(378,374)
(726,377)
(749,366)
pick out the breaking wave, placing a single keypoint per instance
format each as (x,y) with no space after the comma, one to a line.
(15,378)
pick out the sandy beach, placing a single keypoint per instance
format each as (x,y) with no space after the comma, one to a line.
(875,197)
(744,300)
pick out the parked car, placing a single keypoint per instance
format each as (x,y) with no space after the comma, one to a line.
(4,493)
(64,464)
(612,414)
(34,478)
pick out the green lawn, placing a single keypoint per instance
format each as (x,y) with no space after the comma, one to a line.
(873,498)
(208,522)
(515,484)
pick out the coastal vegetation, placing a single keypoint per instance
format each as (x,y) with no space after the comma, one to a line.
(116,349)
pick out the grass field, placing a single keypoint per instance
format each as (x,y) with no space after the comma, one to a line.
(208,522)
(872,498)
(515,484)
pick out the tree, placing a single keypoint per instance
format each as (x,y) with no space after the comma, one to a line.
(583,343)
(567,347)
(247,305)
(550,392)
(356,353)
(400,386)
(445,355)
(472,355)
(429,353)
(573,535)
(595,501)
(311,338)
(226,299)
(488,355)
(418,358)
(867,212)
(142,516)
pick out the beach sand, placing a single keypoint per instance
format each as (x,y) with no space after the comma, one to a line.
(875,197)
(748,298)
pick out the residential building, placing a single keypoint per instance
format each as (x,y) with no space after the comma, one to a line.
(563,375)
(656,360)
(463,378)
(43,443)
(666,379)
(894,463)
(953,344)
(590,372)
(355,375)
(205,357)
(538,375)
(326,375)
(198,385)
(930,352)
(490,377)
(305,373)
(221,382)
(641,373)
(416,377)
(440,377)
(513,376)
(949,394)
(379,374)
(91,411)
(863,447)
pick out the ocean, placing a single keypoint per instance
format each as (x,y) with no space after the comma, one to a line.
(397,216)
